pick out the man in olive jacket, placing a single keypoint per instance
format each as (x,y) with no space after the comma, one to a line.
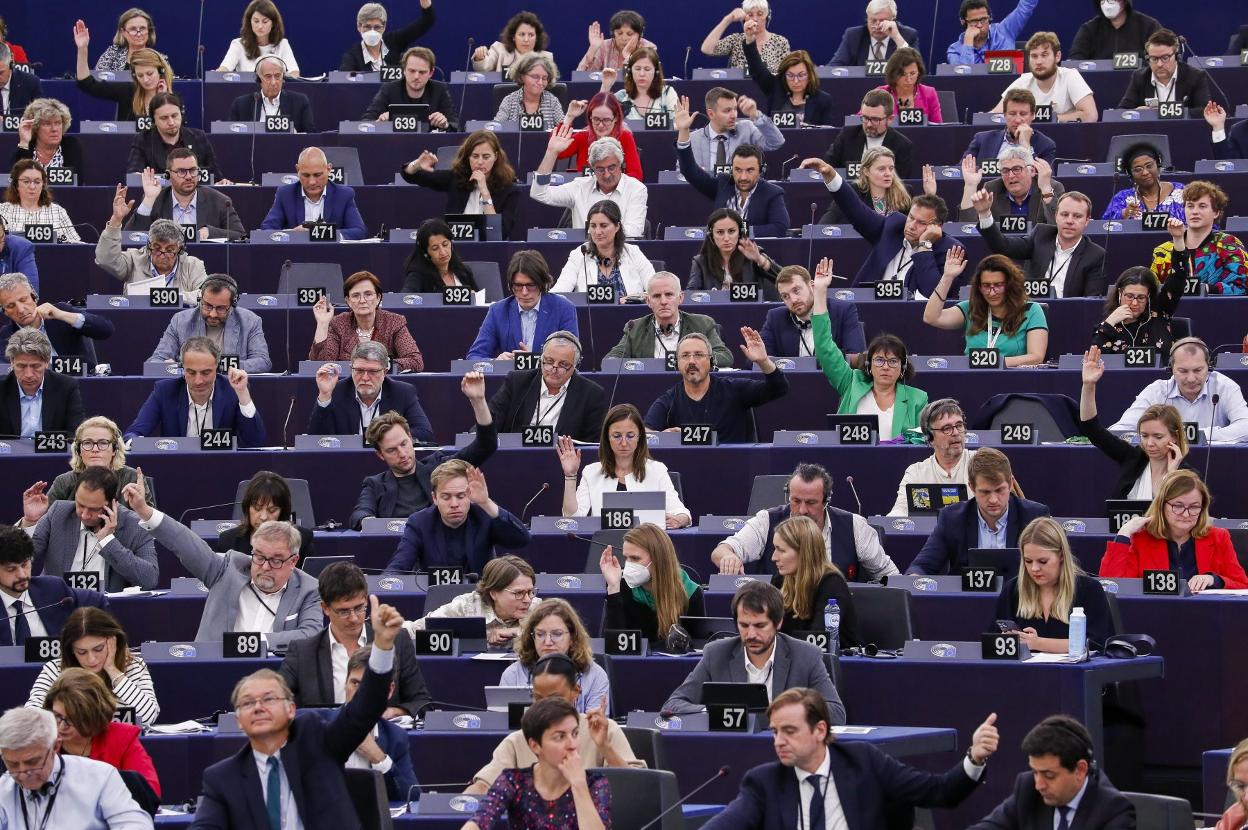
(657,334)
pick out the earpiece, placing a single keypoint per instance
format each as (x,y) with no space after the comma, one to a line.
(1191,341)
(216,282)
(285,68)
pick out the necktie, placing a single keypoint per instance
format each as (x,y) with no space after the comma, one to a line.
(21,628)
(879,51)
(1062,823)
(273,800)
(721,150)
(816,803)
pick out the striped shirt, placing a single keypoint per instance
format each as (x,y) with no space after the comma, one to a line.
(133,688)
(17,218)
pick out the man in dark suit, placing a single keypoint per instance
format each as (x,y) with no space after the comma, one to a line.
(417,87)
(67,328)
(1063,788)
(387,748)
(379,47)
(992,518)
(348,406)
(759,654)
(314,199)
(295,763)
(1025,188)
(273,99)
(759,202)
(877,40)
(208,209)
(555,394)
(17,89)
(1166,77)
(1019,108)
(33,606)
(657,333)
(1058,254)
(462,527)
(17,256)
(151,148)
(1226,146)
(786,330)
(315,668)
(33,398)
(404,487)
(877,115)
(820,782)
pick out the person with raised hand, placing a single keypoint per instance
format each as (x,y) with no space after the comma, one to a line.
(610,180)
(771,47)
(1139,312)
(1233,145)
(627,28)
(152,75)
(523,35)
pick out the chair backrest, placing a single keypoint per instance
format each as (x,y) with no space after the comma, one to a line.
(639,795)
(1019,410)
(614,538)
(1181,327)
(1239,539)
(348,158)
(326,275)
(300,502)
(766,492)
(438,595)
(657,264)
(501,91)
(1161,812)
(1119,143)
(883,615)
(367,789)
(1115,614)
(948,106)
(647,744)
(489,277)
(446,155)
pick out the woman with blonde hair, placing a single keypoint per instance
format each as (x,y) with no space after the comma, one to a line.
(151,71)
(503,595)
(807,580)
(1236,815)
(42,135)
(554,627)
(878,186)
(1049,585)
(651,592)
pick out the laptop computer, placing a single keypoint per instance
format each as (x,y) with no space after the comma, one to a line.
(929,499)
(1002,560)
(313,565)
(500,698)
(751,695)
(704,628)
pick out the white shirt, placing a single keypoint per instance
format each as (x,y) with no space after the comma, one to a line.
(806,339)
(833,814)
(1231,423)
(271,106)
(665,344)
(595,482)
(873,143)
(1059,267)
(313,211)
(32,620)
(751,540)
(867,405)
(1165,92)
(338,658)
(90,556)
(91,796)
(257,613)
(1069,88)
(764,675)
(374,64)
(368,411)
(900,265)
(4,96)
(1142,490)
(198,416)
(929,471)
(581,193)
(582,270)
(236,59)
(549,404)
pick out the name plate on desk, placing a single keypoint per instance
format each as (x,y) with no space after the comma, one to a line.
(728,717)
(695,722)
(437,720)
(979,580)
(446,575)
(1003,647)
(1018,434)
(729,583)
(1134,587)
(83,580)
(243,644)
(210,528)
(566,524)
(697,435)
(980,358)
(905,524)
(942,650)
(148,443)
(593,583)
(633,365)
(625,641)
(617,518)
(12,655)
(710,297)
(309,368)
(805,438)
(41,649)
(406,583)
(212,440)
(436,644)
(389,527)
(40,233)
(537,435)
(186,586)
(1159,582)
(50,442)
(329,442)
(166,651)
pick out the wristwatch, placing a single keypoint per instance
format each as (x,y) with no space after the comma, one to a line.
(924,245)
(489,202)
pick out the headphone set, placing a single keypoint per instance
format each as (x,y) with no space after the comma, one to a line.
(218,281)
(905,363)
(263,58)
(1191,341)
(1126,646)
(827,489)
(1080,736)
(925,417)
(567,337)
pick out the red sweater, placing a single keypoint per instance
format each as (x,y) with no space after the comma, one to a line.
(581,139)
(119,746)
(1214,555)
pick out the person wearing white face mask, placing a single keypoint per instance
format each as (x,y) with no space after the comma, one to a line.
(651,592)
(1116,28)
(381,47)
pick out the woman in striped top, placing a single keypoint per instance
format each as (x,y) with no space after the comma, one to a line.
(28,201)
(94,640)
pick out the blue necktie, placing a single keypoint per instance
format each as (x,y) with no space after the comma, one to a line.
(1062,823)
(274,797)
(21,628)
(816,803)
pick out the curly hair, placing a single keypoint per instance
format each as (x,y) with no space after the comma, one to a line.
(579,650)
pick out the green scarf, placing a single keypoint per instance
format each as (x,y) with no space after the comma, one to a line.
(647,599)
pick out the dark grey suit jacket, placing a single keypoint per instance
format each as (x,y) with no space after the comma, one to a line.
(1085,275)
(1037,210)
(131,555)
(310,673)
(213,210)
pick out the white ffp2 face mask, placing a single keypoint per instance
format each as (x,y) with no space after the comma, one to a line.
(371,38)
(1111,9)
(636,574)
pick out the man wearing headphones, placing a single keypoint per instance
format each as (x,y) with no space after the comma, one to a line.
(980,34)
(555,394)
(66,327)
(151,148)
(185,202)
(162,262)
(238,332)
(272,99)
(1063,788)
(944,427)
(1208,398)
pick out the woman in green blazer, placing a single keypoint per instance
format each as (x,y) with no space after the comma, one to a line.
(882,386)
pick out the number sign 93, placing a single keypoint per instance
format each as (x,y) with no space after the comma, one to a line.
(1001,647)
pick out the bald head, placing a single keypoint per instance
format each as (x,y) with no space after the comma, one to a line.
(313,170)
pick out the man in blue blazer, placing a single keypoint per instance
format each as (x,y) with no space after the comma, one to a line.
(272,99)
(386,749)
(820,781)
(21,87)
(300,758)
(786,330)
(348,406)
(17,256)
(35,606)
(461,528)
(67,328)
(1233,145)
(765,210)
(877,40)
(523,321)
(992,518)
(218,401)
(314,198)
(909,246)
(1019,107)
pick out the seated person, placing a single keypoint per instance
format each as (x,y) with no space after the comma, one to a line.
(944,426)
(185,202)
(1166,77)
(1176,535)
(1049,585)
(1225,146)
(35,606)
(1190,389)
(1025,188)
(42,136)
(480,179)
(533,74)
(902,74)
(657,333)
(644,91)
(565,399)
(434,264)
(1139,312)
(66,327)
(627,28)
(554,627)
(529,316)
(852,545)
(503,596)
(386,749)
(998,315)
(200,399)
(379,47)
(1236,814)
(348,406)
(808,581)
(33,398)
(980,34)
(136,30)
(605,258)
(237,331)
(274,98)
(624,463)
(728,255)
(797,91)
(876,130)
(314,199)
(776,660)
(1117,27)
(787,331)
(1057,253)
(404,487)
(266,498)
(416,87)
(92,639)
(1062,87)
(1148,193)
(161,263)
(883,387)
(460,529)
(97,443)
(524,34)
(1217,258)
(17,256)
(316,668)
(151,75)
(28,201)
(19,89)
(771,46)
(263,34)
(725,404)
(656,590)
(878,186)
(151,148)
(605,120)
(1019,107)
(338,335)
(714,144)
(263,591)
(92,534)
(993,518)
(610,180)
(877,40)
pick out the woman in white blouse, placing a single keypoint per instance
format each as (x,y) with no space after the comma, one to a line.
(503,595)
(94,640)
(261,34)
(27,201)
(624,463)
(523,34)
(605,258)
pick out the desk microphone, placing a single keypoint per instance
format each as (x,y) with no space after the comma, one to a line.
(182,518)
(1201,61)
(463,93)
(688,49)
(1209,449)
(785,164)
(545,486)
(810,243)
(719,773)
(458,707)
(255,97)
(286,423)
(619,370)
(417,788)
(61,601)
(572,535)
(850,481)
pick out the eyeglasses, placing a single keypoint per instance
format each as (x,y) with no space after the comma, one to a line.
(623,438)
(796,76)
(557,366)
(1161,58)
(1014,170)
(952,429)
(872,119)
(517,593)
(135,30)
(539,77)
(693,356)
(185,173)
(60,719)
(157,251)
(523,286)
(978,21)
(359,296)
(1184,509)
(271,562)
(368,373)
(550,636)
(992,287)
(209,307)
(889,362)
(1134,298)
(268,701)
(20,769)
(603,122)
(37,182)
(1144,168)
(103,444)
(373,27)
(607,170)
(354,611)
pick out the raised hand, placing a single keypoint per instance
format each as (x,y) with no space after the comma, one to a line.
(751,30)
(1044,174)
(597,719)
(1215,116)
(749,249)
(929,180)
(82,35)
(569,455)
(387,623)
(984,741)
(326,380)
(151,185)
(135,495)
(323,311)
(1174,456)
(955,263)
(682,118)
(971,175)
(25,130)
(478,492)
(121,208)
(479,53)
(610,568)
(560,139)
(473,386)
(982,202)
(609,74)
(34,503)
(238,382)
(753,348)
(595,35)
(826,170)
(823,276)
(748,107)
(427,161)
(575,109)
(1093,366)
(1177,230)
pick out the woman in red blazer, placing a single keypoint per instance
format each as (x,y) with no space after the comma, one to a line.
(1175,535)
(336,336)
(606,118)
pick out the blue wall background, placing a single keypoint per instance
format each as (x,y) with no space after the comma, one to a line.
(320,30)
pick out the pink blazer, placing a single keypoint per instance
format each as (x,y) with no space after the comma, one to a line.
(390,330)
(925,98)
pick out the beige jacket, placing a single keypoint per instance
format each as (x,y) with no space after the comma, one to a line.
(134,266)
(514,752)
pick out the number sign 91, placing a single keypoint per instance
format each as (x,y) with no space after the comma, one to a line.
(623,641)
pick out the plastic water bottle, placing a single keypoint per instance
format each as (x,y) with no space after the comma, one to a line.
(832,625)
(1077,642)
